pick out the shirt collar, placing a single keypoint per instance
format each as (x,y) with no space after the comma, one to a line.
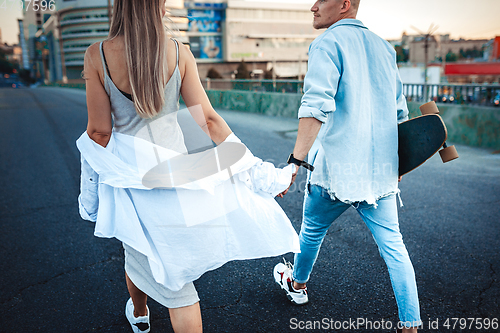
(354,22)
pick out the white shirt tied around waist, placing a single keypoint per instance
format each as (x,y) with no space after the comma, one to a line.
(190,229)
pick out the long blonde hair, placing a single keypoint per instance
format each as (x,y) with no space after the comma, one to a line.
(140,23)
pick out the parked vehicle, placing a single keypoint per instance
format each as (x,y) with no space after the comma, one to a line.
(496,100)
(446,99)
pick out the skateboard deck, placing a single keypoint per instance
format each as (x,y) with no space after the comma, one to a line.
(419,139)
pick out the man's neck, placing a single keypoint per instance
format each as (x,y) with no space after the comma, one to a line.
(345,17)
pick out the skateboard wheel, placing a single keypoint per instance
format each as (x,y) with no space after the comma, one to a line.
(448,154)
(429,108)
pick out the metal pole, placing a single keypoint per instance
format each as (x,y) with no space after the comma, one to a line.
(109,13)
(426,46)
(63,62)
(300,73)
(274,74)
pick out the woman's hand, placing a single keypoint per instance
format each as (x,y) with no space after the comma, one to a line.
(294,176)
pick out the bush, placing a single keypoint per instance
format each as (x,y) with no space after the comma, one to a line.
(243,72)
(268,75)
(213,74)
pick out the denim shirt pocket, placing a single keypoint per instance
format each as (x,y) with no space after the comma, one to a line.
(88,200)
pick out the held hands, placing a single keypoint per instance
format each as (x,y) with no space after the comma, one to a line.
(294,176)
(297,164)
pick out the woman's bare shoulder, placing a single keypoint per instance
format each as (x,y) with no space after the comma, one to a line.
(183,49)
(184,54)
(93,49)
(93,53)
(92,62)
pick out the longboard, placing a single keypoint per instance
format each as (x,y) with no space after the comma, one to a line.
(421,137)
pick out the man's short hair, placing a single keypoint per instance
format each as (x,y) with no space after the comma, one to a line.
(355,4)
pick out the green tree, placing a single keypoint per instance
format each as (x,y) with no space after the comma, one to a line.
(461,54)
(471,53)
(5,65)
(213,74)
(451,57)
(401,54)
(243,72)
(268,75)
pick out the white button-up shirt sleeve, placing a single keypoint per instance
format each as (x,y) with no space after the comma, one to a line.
(320,85)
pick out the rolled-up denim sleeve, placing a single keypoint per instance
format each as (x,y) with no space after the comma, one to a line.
(401,100)
(320,86)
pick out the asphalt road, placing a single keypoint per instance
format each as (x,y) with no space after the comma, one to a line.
(57,277)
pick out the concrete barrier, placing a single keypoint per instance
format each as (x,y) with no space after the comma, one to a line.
(66,85)
(471,125)
(270,104)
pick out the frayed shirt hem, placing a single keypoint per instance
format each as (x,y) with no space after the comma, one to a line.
(351,201)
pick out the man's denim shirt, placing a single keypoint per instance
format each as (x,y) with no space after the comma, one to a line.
(353,87)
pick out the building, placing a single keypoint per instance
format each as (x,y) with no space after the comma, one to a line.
(263,34)
(462,47)
(69,32)
(13,53)
(24,46)
(418,46)
(220,33)
(492,52)
(77,24)
(33,19)
(415,74)
(473,72)
(439,47)
(449,61)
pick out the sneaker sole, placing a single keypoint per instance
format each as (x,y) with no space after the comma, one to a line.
(290,298)
(293,301)
(134,327)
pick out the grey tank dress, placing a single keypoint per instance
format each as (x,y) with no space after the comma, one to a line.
(127,121)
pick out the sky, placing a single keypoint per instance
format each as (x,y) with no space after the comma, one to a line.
(469,19)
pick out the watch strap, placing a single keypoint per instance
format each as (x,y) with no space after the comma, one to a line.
(299,163)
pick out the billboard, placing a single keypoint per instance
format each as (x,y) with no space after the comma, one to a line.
(206,47)
(205,30)
(207,20)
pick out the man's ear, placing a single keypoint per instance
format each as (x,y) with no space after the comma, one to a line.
(346,5)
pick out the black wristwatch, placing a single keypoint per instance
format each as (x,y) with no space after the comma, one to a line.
(299,163)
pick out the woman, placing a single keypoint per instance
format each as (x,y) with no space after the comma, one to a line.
(134,78)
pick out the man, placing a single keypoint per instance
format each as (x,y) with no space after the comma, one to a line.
(349,113)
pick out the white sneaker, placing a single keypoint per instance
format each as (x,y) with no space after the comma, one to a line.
(283,277)
(139,324)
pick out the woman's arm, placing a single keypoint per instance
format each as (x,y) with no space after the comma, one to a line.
(194,95)
(99,124)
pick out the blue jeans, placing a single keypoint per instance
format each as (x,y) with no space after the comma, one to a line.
(319,213)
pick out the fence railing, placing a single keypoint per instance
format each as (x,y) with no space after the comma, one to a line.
(282,86)
(478,94)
